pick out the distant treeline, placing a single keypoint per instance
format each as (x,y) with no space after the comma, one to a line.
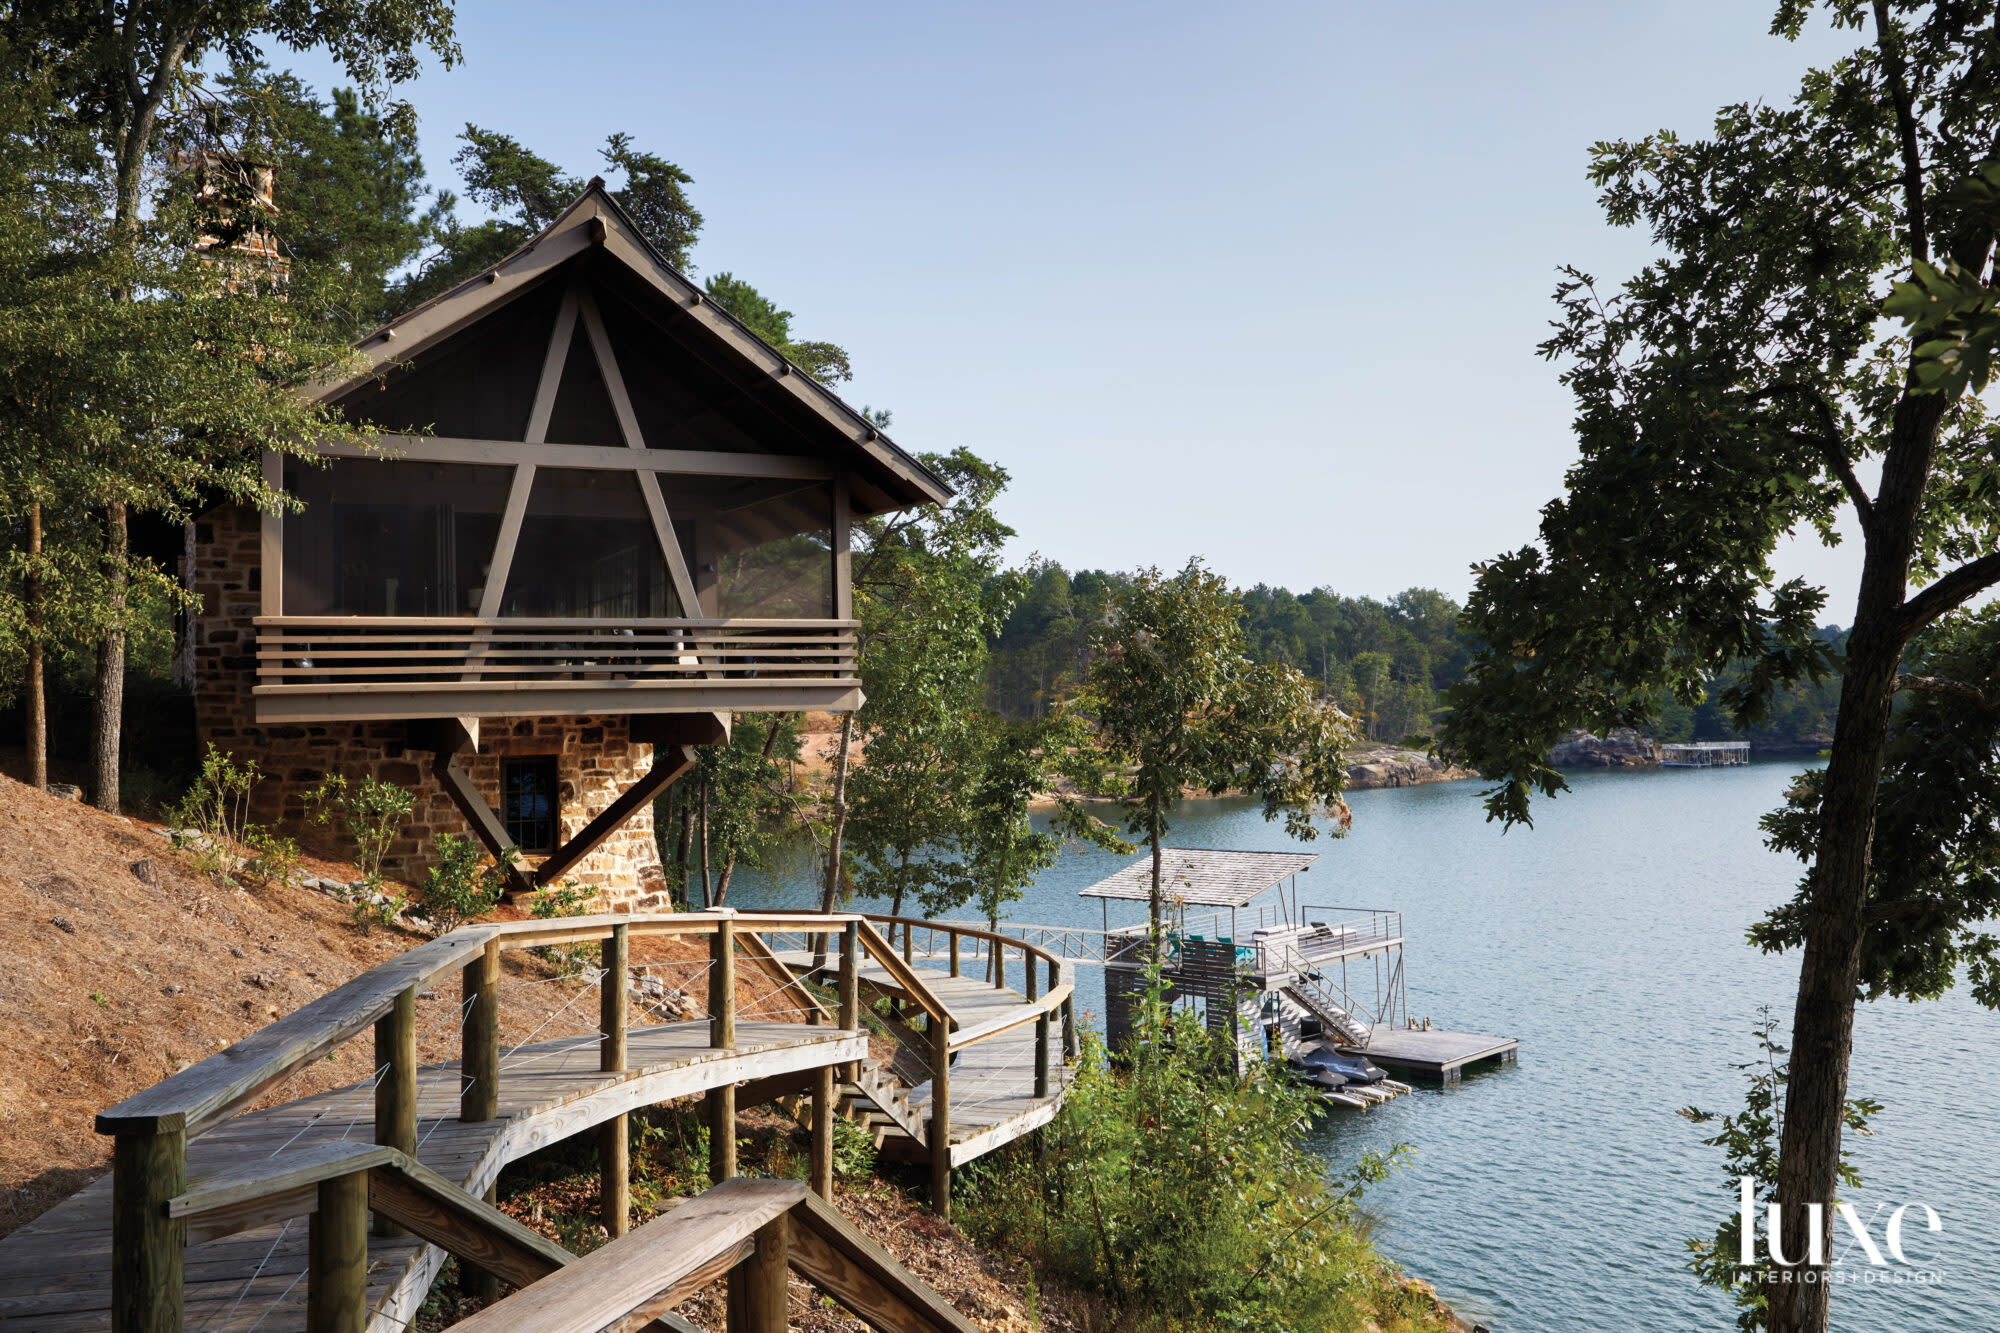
(1799,715)
(1386,663)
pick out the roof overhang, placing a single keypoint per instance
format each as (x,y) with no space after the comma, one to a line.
(596,222)
(1203,876)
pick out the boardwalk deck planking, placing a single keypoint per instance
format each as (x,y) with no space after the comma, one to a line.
(55,1272)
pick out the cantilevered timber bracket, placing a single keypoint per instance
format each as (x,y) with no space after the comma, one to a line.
(668,764)
(445,738)
(672,736)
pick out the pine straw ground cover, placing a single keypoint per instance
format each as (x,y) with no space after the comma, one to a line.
(125,965)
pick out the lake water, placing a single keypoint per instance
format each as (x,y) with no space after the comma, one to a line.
(1555,1195)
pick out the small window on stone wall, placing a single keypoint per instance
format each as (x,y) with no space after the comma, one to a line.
(528,803)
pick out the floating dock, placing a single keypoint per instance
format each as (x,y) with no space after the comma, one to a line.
(1433,1052)
(1274,976)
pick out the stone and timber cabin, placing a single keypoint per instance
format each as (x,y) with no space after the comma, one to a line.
(603,517)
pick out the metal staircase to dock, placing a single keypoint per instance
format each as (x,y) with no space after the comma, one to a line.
(1312,996)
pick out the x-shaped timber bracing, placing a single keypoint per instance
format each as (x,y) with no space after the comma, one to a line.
(672,735)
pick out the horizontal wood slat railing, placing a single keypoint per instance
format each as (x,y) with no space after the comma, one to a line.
(308,653)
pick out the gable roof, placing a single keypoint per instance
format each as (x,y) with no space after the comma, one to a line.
(1203,876)
(596,222)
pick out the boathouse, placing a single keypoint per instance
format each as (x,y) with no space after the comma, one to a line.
(602,517)
(1276,976)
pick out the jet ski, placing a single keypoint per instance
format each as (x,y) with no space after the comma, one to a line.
(1325,1079)
(1349,1068)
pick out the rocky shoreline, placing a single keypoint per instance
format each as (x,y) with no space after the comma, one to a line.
(1623,748)
(1392,766)
(1626,748)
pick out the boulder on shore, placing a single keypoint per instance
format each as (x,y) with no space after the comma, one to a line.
(1623,748)
(1388,766)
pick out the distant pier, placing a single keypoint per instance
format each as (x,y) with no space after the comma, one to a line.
(1273,976)
(1705,754)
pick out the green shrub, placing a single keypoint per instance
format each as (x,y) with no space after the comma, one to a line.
(213,816)
(272,859)
(457,888)
(379,906)
(1183,1191)
(570,898)
(369,811)
(853,1150)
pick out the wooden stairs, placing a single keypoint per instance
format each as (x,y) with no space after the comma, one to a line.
(879,1102)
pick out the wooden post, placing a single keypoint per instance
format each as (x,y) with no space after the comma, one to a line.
(954,953)
(1041,1030)
(148,1248)
(614,1002)
(474,1282)
(940,1126)
(1069,1029)
(758,1295)
(721,1134)
(337,1250)
(396,1085)
(822,1132)
(722,1035)
(614,1144)
(722,985)
(850,986)
(479,1062)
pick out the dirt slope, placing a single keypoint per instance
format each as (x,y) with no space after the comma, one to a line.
(122,966)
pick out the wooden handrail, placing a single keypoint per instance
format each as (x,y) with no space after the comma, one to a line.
(906,976)
(650,1270)
(774,967)
(541,622)
(680,1251)
(1025,1013)
(207,1093)
(397,1187)
(834,1255)
(968,932)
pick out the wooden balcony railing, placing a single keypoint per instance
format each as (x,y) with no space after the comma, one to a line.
(330,668)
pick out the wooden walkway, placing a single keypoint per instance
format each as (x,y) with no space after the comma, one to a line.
(993,1098)
(55,1272)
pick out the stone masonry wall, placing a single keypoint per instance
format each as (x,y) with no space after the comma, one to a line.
(595,758)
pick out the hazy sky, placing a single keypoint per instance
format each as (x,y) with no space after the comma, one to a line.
(1256,281)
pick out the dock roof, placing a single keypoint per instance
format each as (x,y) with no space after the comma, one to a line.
(1204,876)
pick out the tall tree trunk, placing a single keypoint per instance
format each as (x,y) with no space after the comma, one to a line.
(148,89)
(685,852)
(830,890)
(38,706)
(1836,906)
(111,667)
(706,901)
(722,884)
